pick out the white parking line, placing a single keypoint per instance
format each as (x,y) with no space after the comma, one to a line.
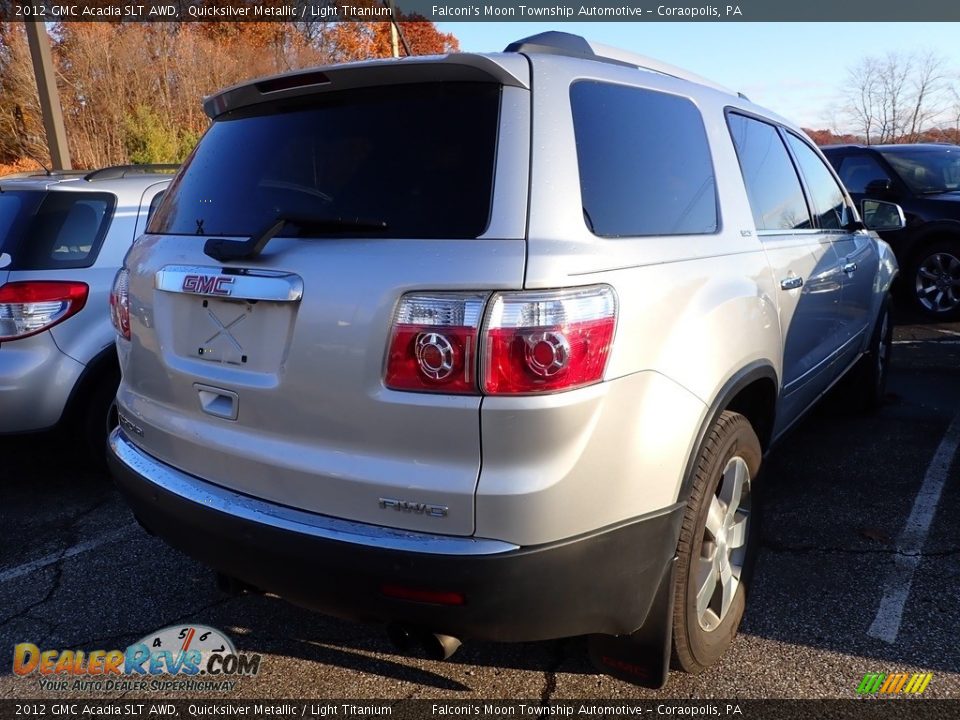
(886,625)
(946,332)
(933,341)
(31,567)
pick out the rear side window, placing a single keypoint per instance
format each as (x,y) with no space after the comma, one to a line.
(418,158)
(154,204)
(11,209)
(63,230)
(645,166)
(773,187)
(858,171)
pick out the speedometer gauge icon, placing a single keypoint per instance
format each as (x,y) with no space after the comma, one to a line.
(178,639)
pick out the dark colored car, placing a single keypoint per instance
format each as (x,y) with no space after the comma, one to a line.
(924,179)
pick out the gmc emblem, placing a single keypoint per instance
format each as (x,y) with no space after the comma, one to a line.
(208,284)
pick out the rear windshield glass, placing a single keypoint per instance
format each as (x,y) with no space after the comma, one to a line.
(405,161)
(50,230)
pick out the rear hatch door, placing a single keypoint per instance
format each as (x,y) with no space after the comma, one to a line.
(264,374)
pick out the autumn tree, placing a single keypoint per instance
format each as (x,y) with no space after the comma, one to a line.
(133,91)
(21,124)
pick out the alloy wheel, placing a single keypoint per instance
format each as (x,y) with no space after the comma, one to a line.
(938,282)
(723,549)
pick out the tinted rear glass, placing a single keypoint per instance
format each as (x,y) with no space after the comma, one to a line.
(645,166)
(50,230)
(927,172)
(419,158)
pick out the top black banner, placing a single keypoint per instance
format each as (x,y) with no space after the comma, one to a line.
(558,11)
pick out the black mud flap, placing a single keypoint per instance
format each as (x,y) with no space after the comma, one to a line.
(642,658)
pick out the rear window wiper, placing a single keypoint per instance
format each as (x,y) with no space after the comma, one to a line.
(226,250)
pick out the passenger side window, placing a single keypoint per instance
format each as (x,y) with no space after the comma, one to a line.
(645,166)
(858,171)
(826,195)
(775,193)
(154,204)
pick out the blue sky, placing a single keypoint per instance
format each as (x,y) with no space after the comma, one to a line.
(795,69)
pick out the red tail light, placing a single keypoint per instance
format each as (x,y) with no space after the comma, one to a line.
(437,597)
(547,341)
(530,342)
(120,303)
(30,307)
(433,346)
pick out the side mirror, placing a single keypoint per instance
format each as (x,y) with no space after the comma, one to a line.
(5,260)
(882,216)
(880,186)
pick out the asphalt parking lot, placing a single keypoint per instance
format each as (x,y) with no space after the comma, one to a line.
(838,546)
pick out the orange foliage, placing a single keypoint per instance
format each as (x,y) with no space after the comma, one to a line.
(19,166)
(828,137)
(359,40)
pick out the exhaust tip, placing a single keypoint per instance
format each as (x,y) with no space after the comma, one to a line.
(435,646)
(440,647)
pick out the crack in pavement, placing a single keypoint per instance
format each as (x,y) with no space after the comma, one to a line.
(550,674)
(71,531)
(48,595)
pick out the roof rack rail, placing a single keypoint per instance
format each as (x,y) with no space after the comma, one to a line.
(122,171)
(44,174)
(554,42)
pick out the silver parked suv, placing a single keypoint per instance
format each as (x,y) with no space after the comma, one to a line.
(62,238)
(491,346)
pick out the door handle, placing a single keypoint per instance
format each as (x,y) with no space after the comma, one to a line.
(791,283)
(849,267)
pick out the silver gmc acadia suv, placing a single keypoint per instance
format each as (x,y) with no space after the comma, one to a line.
(491,346)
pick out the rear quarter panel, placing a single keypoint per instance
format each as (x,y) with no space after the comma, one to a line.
(692,312)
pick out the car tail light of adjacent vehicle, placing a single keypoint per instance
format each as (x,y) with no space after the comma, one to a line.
(120,303)
(30,307)
(529,342)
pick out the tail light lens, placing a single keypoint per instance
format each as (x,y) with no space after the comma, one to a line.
(120,303)
(530,342)
(433,344)
(547,341)
(30,307)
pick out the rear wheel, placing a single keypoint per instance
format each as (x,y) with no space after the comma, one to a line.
(717,544)
(96,416)
(869,377)
(935,280)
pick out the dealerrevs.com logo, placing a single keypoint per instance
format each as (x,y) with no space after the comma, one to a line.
(198,658)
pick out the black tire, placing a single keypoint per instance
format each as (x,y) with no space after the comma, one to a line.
(698,641)
(868,381)
(97,416)
(940,258)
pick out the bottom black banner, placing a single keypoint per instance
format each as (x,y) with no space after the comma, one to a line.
(860,709)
